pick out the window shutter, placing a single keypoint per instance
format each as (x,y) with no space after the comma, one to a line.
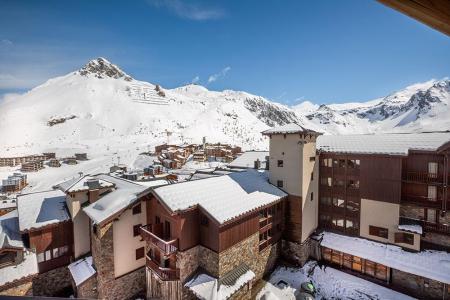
(398,237)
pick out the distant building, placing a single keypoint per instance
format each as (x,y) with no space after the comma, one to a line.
(32,166)
(199,156)
(70,161)
(17,160)
(81,156)
(14,183)
(7,205)
(54,163)
(116,168)
(49,155)
(251,160)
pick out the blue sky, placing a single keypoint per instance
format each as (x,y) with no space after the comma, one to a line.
(288,51)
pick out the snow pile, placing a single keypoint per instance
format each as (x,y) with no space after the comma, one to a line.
(81,270)
(411,228)
(430,264)
(329,283)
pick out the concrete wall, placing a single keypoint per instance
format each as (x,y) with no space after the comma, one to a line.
(386,215)
(310,207)
(125,244)
(290,151)
(81,223)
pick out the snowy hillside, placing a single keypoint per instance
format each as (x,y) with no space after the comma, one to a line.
(419,107)
(100,109)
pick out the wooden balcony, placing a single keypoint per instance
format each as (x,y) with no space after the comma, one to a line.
(422,201)
(153,234)
(423,177)
(427,226)
(163,273)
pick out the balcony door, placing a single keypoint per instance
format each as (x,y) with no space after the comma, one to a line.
(433,169)
(166,233)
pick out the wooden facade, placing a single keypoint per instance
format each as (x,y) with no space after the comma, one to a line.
(53,245)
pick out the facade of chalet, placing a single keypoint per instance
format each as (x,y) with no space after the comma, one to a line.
(226,228)
(392,189)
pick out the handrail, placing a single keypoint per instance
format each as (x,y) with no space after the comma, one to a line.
(168,247)
(163,273)
(424,177)
(427,226)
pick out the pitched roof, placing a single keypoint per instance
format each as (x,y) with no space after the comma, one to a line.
(81,270)
(123,195)
(247,159)
(80,184)
(9,231)
(40,209)
(223,197)
(288,128)
(27,267)
(392,144)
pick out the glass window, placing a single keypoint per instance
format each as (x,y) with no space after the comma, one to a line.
(280,163)
(140,253)
(432,169)
(338,202)
(341,163)
(136,229)
(48,255)
(431,215)
(279,183)
(347,261)
(381,272)
(353,163)
(379,231)
(353,183)
(432,193)
(137,209)
(63,250)
(352,204)
(55,252)
(339,182)
(325,201)
(40,257)
(356,264)
(326,162)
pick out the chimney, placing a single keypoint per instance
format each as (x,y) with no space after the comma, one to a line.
(257,164)
(93,184)
(93,195)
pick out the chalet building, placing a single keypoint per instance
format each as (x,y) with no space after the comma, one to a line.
(14,183)
(119,167)
(369,204)
(49,155)
(199,156)
(118,251)
(18,160)
(251,160)
(54,163)
(18,266)
(7,205)
(81,156)
(32,166)
(225,230)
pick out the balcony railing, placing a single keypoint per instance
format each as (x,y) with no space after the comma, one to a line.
(422,201)
(424,177)
(163,273)
(149,233)
(427,226)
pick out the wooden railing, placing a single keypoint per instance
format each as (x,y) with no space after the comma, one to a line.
(422,201)
(427,226)
(424,177)
(167,247)
(163,273)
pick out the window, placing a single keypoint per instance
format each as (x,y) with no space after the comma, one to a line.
(55,252)
(432,193)
(403,237)
(40,257)
(339,182)
(341,163)
(312,158)
(325,201)
(63,250)
(379,231)
(338,202)
(312,176)
(312,196)
(353,183)
(352,204)
(137,209)
(326,181)
(280,163)
(204,220)
(280,183)
(338,222)
(48,255)
(431,215)
(136,229)
(140,253)
(326,162)
(432,169)
(353,163)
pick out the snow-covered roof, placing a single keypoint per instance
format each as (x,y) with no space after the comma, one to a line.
(393,144)
(124,194)
(223,197)
(81,270)
(8,203)
(26,268)
(40,209)
(9,231)
(288,128)
(153,183)
(247,159)
(206,287)
(430,264)
(81,184)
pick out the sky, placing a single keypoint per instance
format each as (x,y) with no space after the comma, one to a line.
(288,51)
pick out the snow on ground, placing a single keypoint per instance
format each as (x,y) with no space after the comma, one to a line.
(330,284)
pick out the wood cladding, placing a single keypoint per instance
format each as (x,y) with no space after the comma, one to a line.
(231,235)
(293,213)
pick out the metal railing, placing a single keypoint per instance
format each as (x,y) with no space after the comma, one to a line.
(427,226)
(424,177)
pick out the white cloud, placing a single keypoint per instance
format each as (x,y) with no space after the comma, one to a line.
(216,76)
(6,42)
(191,11)
(195,79)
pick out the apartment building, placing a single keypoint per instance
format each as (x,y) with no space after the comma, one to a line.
(17,160)
(222,232)
(14,183)
(32,166)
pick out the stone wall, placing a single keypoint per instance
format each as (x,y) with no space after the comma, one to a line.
(20,288)
(187,262)
(296,253)
(245,251)
(52,283)
(88,289)
(417,286)
(109,287)
(208,260)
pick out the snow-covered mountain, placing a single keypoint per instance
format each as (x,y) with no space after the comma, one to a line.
(101,109)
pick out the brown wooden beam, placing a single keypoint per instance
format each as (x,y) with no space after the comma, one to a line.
(434,13)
